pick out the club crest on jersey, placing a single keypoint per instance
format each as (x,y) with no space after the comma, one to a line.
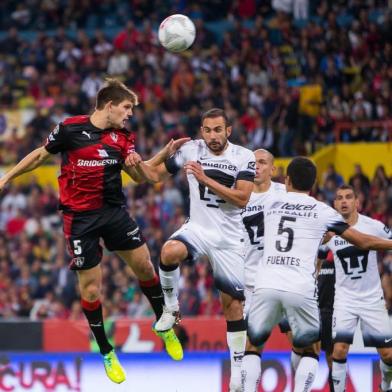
(252,165)
(78,261)
(114,136)
(102,153)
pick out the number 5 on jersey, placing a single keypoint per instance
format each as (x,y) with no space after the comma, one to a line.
(77,247)
(285,246)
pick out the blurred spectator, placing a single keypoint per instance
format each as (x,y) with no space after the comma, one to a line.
(359,181)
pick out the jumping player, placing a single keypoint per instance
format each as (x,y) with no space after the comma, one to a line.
(94,149)
(220,176)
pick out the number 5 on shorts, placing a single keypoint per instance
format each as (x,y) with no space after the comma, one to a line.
(77,247)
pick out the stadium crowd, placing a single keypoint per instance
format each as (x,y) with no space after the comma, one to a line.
(284,79)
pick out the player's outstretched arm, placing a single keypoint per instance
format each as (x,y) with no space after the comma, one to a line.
(366,241)
(140,171)
(153,170)
(239,195)
(171,147)
(28,163)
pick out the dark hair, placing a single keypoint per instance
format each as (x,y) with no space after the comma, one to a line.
(215,112)
(115,91)
(302,172)
(346,187)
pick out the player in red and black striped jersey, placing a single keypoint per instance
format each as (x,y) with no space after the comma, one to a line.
(94,150)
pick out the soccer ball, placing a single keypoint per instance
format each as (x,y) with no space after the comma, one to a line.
(177,33)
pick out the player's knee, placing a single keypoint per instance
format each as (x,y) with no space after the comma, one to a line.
(91,291)
(171,253)
(232,308)
(340,351)
(145,271)
(386,356)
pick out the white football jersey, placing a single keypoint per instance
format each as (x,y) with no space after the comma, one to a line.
(253,219)
(357,277)
(294,225)
(217,219)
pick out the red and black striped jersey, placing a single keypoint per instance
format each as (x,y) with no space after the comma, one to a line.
(91,164)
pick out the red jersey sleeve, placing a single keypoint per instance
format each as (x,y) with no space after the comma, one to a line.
(129,146)
(56,141)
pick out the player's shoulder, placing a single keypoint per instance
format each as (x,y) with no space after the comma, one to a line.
(76,120)
(191,146)
(278,187)
(314,205)
(194,143)
(370,222)
(241,151)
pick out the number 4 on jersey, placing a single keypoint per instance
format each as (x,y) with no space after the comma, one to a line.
(254,226)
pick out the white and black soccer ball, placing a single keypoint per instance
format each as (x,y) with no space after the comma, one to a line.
(177,33)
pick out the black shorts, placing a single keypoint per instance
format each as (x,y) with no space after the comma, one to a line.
(326,330)
(83,231)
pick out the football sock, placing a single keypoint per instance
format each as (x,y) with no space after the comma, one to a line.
(152,289)
(169,276)
(294,360)
(93,313)
(250,371)
(306,373)
(339,370)
(386,375)
(236,340)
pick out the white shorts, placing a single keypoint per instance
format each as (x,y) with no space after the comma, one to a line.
(269,306)
(374,323)
(252,259)
(227,264)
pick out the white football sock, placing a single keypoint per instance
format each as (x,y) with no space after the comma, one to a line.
(305,374)
(339,371)
(386,374)
(294,360)
(251,372)
(236,342)
(169,281)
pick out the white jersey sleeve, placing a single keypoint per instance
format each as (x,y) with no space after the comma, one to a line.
(185,153)
(382,230)
(247,166)
(333,220)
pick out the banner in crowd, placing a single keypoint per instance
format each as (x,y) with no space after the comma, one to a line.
(13,122)
(130,336)
(156,372)
(197,334)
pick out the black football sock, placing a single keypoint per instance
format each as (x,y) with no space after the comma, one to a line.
(93,313)
(152,289)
